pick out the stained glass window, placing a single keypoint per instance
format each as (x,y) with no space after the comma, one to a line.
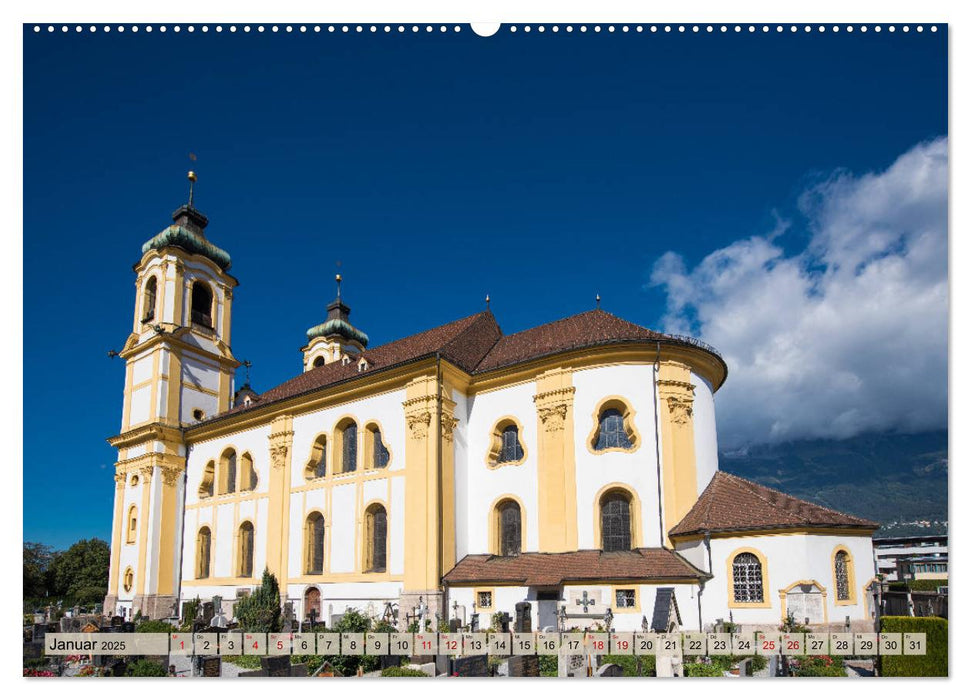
(510,450)
(377,522)
(381,454)
(842,576)
(510,529)
(315,544)
(612,432)
(349,448)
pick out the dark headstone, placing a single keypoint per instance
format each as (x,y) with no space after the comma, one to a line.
(128,627)
(276,666)
(524,621)
(454,625)
(471,666)
(211,666)
(298,671)
(610,671)
(288,617)
(524,666)
(504,622)
(39,631)
(208,611)
(117,621)
(33,650)
(252,674)
(665,611)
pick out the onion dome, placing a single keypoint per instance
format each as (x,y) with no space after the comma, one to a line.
(338,323)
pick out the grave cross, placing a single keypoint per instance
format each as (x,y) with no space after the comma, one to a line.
(586,602)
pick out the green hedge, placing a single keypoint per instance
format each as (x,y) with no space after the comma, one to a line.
(934,663)
(402,672)
(921,584)
(632,665)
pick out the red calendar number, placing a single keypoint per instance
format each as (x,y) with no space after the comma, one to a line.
(768,645)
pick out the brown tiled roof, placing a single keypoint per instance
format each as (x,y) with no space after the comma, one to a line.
(582,330)
(474,344)
(537,569)
(733,504)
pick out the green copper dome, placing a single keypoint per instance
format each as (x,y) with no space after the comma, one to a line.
(338,326)
(181,237)
(187,233)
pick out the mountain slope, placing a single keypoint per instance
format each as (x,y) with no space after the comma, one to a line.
(895,479)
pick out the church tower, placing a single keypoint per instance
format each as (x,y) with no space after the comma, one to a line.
(179,370)
(334,340)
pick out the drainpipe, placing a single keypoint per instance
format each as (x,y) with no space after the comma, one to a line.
(657,444)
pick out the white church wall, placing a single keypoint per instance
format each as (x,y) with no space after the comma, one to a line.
(139,410)
(223,540)
(638,469)
(790,558)
(695,552)
(486,485)
(255,441)
(706,440)
(343,530)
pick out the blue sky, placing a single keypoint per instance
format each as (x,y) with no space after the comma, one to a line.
(541,169)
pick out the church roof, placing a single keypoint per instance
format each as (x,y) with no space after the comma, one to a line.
(477,345)
(542,569)
(733,504)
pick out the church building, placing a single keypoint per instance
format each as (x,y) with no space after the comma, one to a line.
(573,466)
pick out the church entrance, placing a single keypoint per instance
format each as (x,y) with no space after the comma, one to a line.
(804,601)
(546,608)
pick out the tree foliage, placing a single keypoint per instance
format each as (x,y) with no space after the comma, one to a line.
(81,573)
(260,612)
(37,559)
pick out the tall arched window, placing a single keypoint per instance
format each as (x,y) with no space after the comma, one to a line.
(506,447)
(244,555)
(615,427)
(376,538)
(132,531)
(202,304)
(148,307)
(314,544)
(375,451)
(207,485)
(227,472)
(203,553)
(841,564)
(615,521)
(510,528)
(346,435)
(247,473)
(747,578)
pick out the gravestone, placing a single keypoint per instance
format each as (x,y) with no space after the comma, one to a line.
(523,666)
(276,666)
(128,627)
(39,631)
(207,611)
(33,650)
(211,666)
(610,671)
(524,621)
(298,671)
(454,625)
(474,623)
(471,666)
(287,617)
(504,622)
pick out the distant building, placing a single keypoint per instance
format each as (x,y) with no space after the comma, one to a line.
(909,558)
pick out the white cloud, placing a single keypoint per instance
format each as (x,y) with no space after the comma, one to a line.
(847,336)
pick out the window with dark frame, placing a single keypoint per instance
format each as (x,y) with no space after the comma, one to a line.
(747,578)
(201,304)
(615,522)
(381,454)
(315,544)
(510,450)
(484,599)
(151,290)
(349,448)
(378,539)
(626,598)
(842,576)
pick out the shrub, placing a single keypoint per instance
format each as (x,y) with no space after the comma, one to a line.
(758,663)
(702,669)
(247,662)
(816,666)
(146,667)
(933,663)
(352,621)
(548,666)
(260,612)
(154,626)
(402,672)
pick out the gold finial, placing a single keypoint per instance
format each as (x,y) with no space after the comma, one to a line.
(192,181)
(337,277)
(598,301)
(487,301)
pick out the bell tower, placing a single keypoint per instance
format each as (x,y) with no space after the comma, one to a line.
(179,370)
(334,340)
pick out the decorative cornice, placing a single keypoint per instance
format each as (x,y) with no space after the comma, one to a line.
(448,427)
(161,432)
(552,407)
(418,422)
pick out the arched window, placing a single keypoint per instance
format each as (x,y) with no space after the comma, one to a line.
(311,604)
(346,437)
(247,473)
(615,427)
(244,555)
(510,528)
(207,485)
(227,472)
(375,451)
(132,531)
(319,361)
(506,447)
(841,565)
(128,580)
(148,306)
(317,464)
(314,544)
(747,578)
(202,304)
(615,522)
(376,538)
(203,547)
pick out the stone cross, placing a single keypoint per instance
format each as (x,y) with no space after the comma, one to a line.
(586,602)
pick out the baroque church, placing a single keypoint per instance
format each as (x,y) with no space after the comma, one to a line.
(460,470)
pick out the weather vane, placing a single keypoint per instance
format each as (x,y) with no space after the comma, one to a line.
(487,302)
(247,364)
(337,277)
(598,300)
(192,178)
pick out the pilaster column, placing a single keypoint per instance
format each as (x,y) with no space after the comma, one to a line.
(278,526)
(556,460)
(117,526)
(679,473)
